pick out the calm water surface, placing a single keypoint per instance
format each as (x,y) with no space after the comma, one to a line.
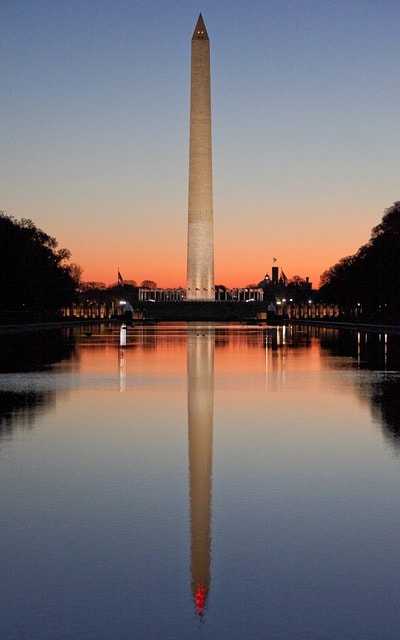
(207,481)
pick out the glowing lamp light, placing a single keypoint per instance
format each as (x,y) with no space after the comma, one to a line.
(127,305)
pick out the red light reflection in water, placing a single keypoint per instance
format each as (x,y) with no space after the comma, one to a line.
(200,598)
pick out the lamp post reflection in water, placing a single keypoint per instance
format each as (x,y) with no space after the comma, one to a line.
(122,370)
(200,369)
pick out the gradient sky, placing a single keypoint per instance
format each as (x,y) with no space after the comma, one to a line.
(95,130)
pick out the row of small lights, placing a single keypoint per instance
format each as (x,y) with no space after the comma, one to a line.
(283,301)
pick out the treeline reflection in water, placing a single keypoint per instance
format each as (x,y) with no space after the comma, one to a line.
(375,352)
(29,353)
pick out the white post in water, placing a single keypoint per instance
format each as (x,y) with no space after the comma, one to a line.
(122,336)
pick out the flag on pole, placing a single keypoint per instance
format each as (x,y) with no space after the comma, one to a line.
(120,279)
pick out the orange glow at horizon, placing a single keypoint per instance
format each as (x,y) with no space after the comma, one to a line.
(242,255)
(174,275)
(169,270)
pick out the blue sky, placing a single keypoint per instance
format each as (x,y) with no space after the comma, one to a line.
(95,125)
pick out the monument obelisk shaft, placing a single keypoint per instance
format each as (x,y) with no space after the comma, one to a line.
(200,247)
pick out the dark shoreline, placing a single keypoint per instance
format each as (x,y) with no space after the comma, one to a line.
(44,326)
(329,324)
(353,326)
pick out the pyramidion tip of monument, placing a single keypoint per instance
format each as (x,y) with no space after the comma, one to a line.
(200,32)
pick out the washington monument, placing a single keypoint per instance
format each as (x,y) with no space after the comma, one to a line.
(200,247)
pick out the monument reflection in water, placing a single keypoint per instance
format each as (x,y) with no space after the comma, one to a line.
(109,499)
(200,367)
(200,398)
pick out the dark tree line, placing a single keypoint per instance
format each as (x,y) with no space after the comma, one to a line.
(35,276)
(369,279)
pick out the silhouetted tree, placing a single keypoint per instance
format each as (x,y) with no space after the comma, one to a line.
(371,277)
(89,286)
(149,284)
(298,289)
(338,284)
(75,271)
(34,273)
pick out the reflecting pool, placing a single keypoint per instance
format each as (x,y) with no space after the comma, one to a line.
(205,481)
